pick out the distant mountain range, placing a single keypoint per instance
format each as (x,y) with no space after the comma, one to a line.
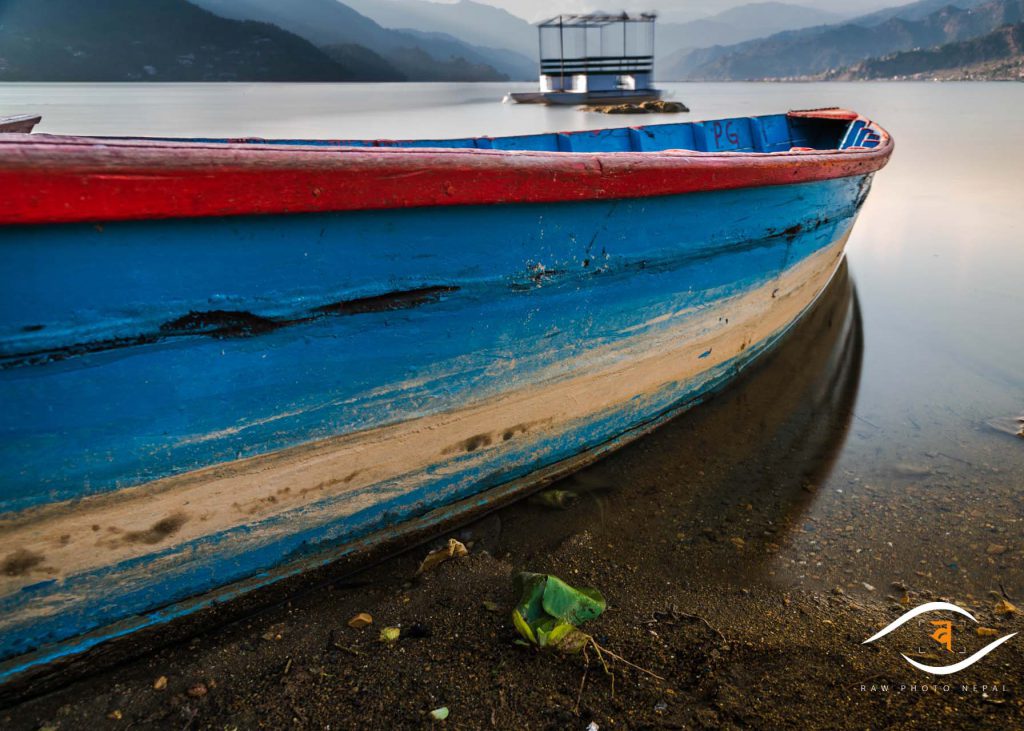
(421,56)
(471,40)
(160,40)
(471,22)
(736,25)
(995,56)
(815,51)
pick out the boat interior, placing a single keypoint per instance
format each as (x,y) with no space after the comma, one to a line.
(764,134)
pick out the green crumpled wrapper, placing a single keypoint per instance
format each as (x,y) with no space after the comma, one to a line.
(549,611)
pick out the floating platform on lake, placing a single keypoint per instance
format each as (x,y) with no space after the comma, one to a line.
(223,362)
(595,59)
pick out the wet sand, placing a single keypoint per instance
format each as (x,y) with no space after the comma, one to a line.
(744,556)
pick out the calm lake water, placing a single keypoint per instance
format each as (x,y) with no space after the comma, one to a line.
(916,486)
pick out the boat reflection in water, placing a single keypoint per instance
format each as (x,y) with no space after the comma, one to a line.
(743,466)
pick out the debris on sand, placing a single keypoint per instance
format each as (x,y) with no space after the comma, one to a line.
(547,615)
(655,107)
(390,634)
(160,683)
(454,549)
(549,611)
(1004,607)
(439,714)
(361,621)
(557,499)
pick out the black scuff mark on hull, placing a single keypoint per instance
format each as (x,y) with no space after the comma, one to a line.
(223,324)
(226,324)
(389,302)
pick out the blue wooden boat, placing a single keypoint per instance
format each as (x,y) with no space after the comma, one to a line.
(223,362)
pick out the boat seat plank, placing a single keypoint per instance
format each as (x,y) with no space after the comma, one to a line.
(547,142)
(774,132)
(662,137)
(728,135)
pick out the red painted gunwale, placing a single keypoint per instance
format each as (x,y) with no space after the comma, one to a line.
(52,179)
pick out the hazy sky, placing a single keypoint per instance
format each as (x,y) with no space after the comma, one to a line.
(534,9)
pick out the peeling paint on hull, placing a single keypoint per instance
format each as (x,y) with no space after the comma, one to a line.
(536,337)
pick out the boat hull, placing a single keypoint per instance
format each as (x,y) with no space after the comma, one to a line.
(21,124)
(158,444)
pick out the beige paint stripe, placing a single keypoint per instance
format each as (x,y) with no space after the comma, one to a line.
(68,538)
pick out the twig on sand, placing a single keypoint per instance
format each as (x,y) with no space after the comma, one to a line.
(601,652)
(621,659)
(698,618)
(675,615)
(583,681)
(349,650)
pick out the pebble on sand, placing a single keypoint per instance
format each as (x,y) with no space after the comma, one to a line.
(360,621)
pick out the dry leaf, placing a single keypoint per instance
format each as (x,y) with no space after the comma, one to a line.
(454,549)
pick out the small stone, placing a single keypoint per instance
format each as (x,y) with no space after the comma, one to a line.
(115,715)
(390,634)
(737,541)
(360,621)
(160,683)
(439,714)
(995,549)
(197,691)
(867,586)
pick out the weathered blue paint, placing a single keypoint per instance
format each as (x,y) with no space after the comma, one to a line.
(535,283)
(88,409)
